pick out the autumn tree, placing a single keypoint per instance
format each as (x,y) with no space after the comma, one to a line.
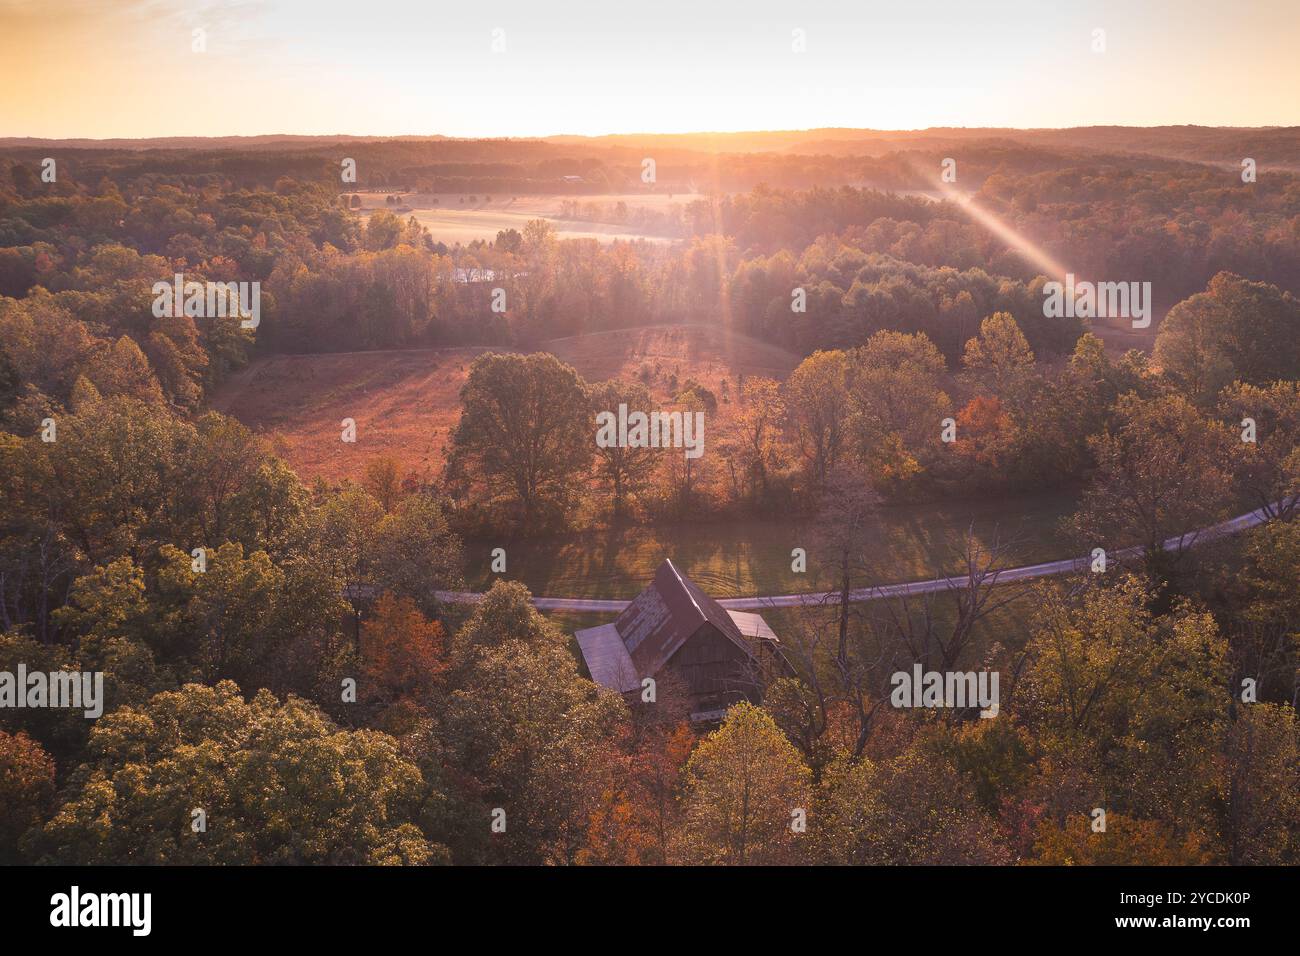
(1265,469)
(1263,801)
(402,654)
(275,783)
(999,356)
(533,736)
(123,370)
(26,791)
(1126,841)
(1161,473)
(758,425)
(745,786)
(817,395)
(622,469)
(384,480)
(524,433)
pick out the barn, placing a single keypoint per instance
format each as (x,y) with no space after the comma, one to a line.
(673,624)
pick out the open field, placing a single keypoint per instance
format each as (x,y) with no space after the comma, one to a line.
(406,403)
(457,217)
(752,556)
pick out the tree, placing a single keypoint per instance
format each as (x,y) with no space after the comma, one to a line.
(914,809)
(1161,473)
(26,791)
(655,781)
(1263,752)
(897,404)
(384,480)
(1267,470)
(623,470)
(247,618)
(817,393)
(509,240)
(1235,329)
(1126,841)
(1140,694)
(533,736)
(1191,348)
(525,431)
(402,654)
(744,784)
(124,370)
(999,356)
(846,529)
(758,434)
(414,553)
(277,783)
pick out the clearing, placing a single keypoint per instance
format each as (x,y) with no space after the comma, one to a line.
(405,403)
(461,218)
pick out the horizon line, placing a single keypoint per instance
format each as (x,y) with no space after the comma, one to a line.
(636,133)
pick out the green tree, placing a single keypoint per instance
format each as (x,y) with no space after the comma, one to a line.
(914,809)
(1141,695)
(744,784)
(534,735)
(897,404)
(1235,329)
(525,432)
(817,393)
(277,783)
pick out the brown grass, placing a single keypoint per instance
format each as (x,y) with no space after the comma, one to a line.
(406,403)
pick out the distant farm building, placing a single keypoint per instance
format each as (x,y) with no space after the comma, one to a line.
(719,654)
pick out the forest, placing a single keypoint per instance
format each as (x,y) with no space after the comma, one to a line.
(274,650)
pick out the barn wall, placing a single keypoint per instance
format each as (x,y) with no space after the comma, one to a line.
(713,667)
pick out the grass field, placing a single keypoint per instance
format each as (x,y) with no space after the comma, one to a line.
(406,403)
(741,558)
(453,217)
(752,556)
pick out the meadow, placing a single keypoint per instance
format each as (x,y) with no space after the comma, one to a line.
(458,218)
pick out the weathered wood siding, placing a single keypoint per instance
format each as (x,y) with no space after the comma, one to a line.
(714,668)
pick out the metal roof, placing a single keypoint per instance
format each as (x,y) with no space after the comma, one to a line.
(665,615)
(607,658)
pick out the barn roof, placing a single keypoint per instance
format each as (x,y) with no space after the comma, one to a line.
(655,625)
(607,658)
(665,615)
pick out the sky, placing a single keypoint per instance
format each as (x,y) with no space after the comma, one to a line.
(134,68)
